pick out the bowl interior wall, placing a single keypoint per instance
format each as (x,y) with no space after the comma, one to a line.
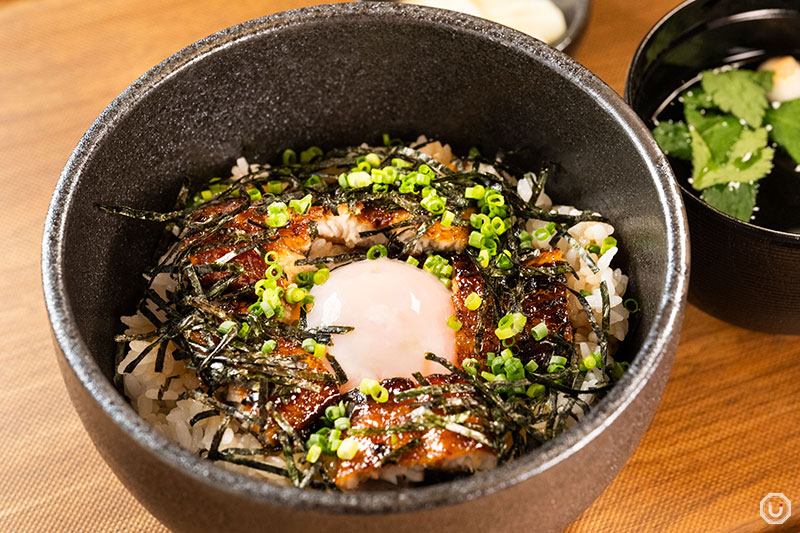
(343,82)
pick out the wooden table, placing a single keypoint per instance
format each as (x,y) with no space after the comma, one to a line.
(726,432)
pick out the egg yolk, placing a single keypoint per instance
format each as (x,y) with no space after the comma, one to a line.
(399,313)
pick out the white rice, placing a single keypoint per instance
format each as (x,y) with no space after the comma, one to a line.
(155,395)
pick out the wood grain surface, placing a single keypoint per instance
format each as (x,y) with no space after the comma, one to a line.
(726,432)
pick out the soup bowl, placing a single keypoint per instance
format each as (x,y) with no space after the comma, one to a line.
(747,274)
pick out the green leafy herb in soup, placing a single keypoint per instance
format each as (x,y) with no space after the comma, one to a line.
(731,125)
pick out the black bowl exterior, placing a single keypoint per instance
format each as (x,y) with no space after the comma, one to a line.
(337,75)
(744,274)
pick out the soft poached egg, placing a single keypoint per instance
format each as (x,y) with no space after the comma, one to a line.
(399,313)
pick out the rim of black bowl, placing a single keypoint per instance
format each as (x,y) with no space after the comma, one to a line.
(656,342)
(784,236)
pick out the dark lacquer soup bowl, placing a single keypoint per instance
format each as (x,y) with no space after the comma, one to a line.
(335,76)
(746,273)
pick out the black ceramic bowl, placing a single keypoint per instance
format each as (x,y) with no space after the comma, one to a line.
(333,76)
(745,274)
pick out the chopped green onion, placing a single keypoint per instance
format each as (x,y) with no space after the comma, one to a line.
(434,203)
(525,240)
(374,389)
(278,215)
(367,385)
(513,322)
(313,181)
(274,271)
(513,368)
(498,226)
(494,198)
(264,284)
(373,159)
(347,449)
(307,156)
(332,412)
(541,234)
(401,163)
(473,301)
(289,157)
(302,205)
(453,323)
(321,276)
(295,295)
(473,153)
(447,218)
(531,366)
(478,220)
(226,326)
(593,248)
(267,309)
(489,244)
(277,221)
(475,239)
(539,331)
(503,260)
(275,187)
(254,194)
(588,363)
(504,333)
(488,376)
(309,344)
(585,293)
(268,346)
(619,369)
(320,350)
(556,364)
(483,258)
(271,257)
(359,179)
(475,193)
(243,330)
(304,279)
(470,365)
(377,251)
(631,305)
(342,423)
(608,243)
(535,390)
(413,261)
(313,453)
(438,266)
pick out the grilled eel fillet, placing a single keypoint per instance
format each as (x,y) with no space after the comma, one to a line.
(438,448)
(544,299)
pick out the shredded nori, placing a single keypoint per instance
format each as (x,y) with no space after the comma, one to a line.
(186,320)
